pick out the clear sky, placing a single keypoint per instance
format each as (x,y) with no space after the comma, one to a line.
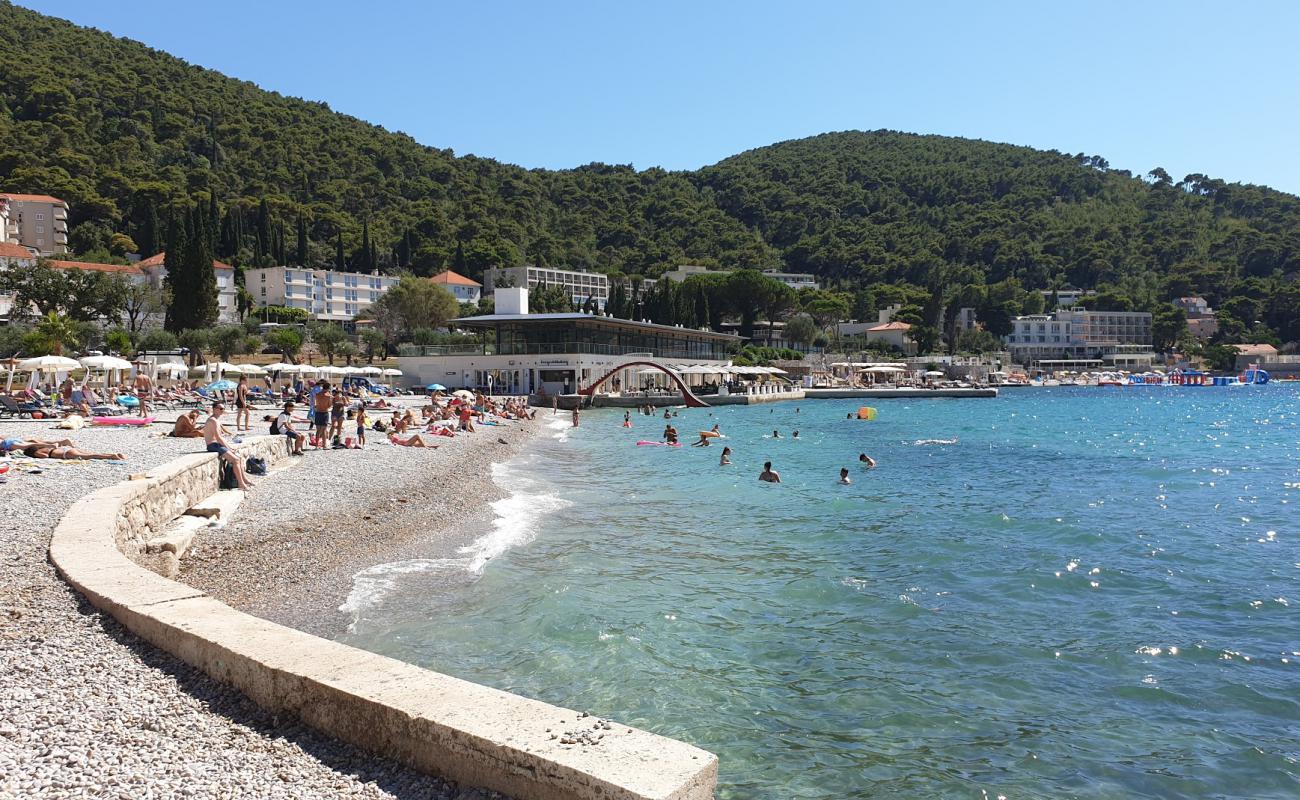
(1190,86)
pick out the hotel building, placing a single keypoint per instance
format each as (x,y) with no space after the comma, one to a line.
(37,221)
(1082,338)
(465,290)
(578,285)
(325,294)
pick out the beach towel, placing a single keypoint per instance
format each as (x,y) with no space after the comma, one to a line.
(72,422)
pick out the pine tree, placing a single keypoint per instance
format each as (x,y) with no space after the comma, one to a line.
(302,241)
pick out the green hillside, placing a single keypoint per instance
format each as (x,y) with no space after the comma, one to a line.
(125,132)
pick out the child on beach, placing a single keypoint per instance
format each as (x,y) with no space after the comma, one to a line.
(361,426)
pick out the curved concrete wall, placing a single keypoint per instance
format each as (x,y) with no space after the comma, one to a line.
(435,723)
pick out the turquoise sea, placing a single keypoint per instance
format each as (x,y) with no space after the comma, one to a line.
(1087,593)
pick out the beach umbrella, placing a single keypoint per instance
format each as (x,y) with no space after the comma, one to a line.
(172,368)
(393,373)
(463,394)
(251,369)
(48,364)
(278,366)
(330,370)
(369,370)
(435,387)
(933,374)
(105,363)
(221,386)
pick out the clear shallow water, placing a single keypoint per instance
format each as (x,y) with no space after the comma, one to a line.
(1090,594)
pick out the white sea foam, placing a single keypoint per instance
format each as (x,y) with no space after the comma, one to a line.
(560,426)
(517,516)
(370,586)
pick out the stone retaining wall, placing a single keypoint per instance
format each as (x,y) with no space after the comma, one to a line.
(435,723)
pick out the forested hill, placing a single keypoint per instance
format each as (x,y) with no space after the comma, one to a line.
(123,132)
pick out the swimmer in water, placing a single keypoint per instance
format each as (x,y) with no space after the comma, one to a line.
(627,419)
(703,442)
(844,476)
(670,434)
(768,475)
(868,460)
(776,435)
(726,457)
(668,414)
(796,435)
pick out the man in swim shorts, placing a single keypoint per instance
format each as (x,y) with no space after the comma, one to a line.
(216,442)
(321,402)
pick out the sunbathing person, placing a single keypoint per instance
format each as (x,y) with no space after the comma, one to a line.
(415,441)
(61,449)
(187,426)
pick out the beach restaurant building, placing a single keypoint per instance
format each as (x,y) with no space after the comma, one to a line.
(526,353)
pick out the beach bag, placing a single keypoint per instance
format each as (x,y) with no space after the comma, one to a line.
(255,466)
(275,426)
(228,480)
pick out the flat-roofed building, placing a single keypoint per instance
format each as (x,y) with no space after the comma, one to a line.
(325,294)
(577,284)
(1078,334)
(557,353)
(37,221)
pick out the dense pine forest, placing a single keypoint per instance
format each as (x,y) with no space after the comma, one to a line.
(130,136)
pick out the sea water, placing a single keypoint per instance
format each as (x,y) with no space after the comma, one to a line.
(1055,593)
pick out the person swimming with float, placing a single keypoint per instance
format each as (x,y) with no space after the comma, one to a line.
(670,434)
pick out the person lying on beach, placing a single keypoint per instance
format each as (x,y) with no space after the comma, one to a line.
(769,475)
(415,441)
(726,457)
(62,449)
(844,476)
(868,460)
(187,426)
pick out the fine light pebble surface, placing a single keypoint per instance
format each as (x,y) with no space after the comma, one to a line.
(89,710)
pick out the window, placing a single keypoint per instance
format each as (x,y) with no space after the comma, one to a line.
(40,216)
(263,275)
(264,291)
(40,229)
(40,242)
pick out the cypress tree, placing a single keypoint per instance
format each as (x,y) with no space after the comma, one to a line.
(302,241)
(339,262)
(174,279)
(365,258)
(149,235)
(263,233)
(199,267)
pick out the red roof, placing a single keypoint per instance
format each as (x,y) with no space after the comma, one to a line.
(12,250)
(128,269)
(157,261)
(448,276)
(32,198)
(891,326)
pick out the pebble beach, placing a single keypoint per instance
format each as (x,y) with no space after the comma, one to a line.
(89,710)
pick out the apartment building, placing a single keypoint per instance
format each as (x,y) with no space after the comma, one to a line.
(1078,334)
(37,221)
(579,285)
(14,256)
(325,294)
(155,271)
(465,290)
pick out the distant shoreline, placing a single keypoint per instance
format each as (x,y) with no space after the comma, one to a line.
(290,554)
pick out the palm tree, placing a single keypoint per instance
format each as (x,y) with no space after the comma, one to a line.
(57,332)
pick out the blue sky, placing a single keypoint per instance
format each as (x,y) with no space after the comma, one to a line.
(1190,86)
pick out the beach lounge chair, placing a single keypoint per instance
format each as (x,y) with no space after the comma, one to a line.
(9,407)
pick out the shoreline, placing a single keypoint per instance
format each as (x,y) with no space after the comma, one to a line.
(291,553)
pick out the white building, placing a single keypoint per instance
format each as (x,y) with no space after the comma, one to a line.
(227,292)
(37,221)
(1079,335)
(4,221)
(325,294)
(1064,297)
(579,285)
(795,280)
(465,290)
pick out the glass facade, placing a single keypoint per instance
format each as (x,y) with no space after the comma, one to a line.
(593,336)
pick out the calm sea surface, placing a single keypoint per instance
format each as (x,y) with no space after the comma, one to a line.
(1058,593)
